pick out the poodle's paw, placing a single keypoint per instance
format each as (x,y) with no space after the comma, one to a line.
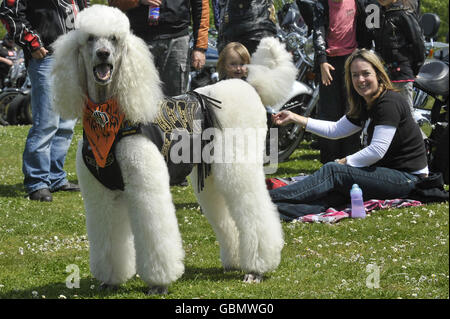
(158,290)
(107,287)
(253,278)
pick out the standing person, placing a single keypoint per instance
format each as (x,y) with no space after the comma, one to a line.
(392,161)
(339,28)
(400,43)
(216,13)
(35,25)
(9,54)
(246,21)
(168,37)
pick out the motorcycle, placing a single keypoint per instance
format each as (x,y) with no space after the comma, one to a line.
(432,81)
(15,105)
(304,94)
(436,51)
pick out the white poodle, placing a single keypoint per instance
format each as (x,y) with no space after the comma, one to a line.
(134,229)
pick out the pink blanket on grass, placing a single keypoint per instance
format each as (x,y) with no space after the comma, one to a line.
(332,215)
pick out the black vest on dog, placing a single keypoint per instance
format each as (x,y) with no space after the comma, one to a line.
(189,113)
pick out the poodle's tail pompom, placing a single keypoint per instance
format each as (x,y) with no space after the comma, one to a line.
(271,71)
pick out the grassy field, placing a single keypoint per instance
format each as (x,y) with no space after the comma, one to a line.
(398,253)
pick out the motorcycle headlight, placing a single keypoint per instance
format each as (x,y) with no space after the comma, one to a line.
(308,51)
(293,41)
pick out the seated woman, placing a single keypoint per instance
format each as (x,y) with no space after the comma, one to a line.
(232,61)
(393,157)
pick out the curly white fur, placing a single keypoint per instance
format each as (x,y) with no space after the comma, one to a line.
(271,71)
(135,230)
(137,96)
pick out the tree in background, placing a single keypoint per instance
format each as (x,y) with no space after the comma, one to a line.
(441,9)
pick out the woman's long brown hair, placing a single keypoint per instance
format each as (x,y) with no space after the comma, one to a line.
(356,101)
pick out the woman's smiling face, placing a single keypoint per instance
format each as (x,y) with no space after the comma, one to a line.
(364,79)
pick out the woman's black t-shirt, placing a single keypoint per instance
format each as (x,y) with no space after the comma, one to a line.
(407,150)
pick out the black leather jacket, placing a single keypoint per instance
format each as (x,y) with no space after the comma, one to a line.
(321,23)
(34,24)
(240,17)
(174,20)
(399,40)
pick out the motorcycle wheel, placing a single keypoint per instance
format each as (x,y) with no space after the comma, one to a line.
(6,97)
(26,115)
(290,136)
(440,160)
(12,110)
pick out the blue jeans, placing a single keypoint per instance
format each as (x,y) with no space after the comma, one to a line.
(330,187)
(49,137)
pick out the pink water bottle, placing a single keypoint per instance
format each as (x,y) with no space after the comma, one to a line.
(153,15)
(358,210)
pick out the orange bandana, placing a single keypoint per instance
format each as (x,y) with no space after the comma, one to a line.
(101,122)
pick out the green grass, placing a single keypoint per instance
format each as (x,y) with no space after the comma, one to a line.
(409,246)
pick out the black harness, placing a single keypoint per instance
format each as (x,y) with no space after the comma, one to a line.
(189,113)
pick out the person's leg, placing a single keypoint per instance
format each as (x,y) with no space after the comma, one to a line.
(376,183)
(38,147)
(289,211)
(329,109)
(172,61)
(60,145)
(350,144)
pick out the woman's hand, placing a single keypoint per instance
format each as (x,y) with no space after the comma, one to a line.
(342,161)
(287,117)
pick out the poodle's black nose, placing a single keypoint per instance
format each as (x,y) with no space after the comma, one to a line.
(103,54)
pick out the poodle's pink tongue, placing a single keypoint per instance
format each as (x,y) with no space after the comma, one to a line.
(103,71)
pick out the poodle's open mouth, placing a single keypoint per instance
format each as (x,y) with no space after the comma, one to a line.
(103,72)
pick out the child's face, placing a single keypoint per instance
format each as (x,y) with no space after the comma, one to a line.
(234,66)
(385,3)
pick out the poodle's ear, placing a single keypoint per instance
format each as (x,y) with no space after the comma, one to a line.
(138,87)
(68,76)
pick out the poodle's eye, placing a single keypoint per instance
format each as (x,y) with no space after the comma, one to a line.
(91,38)
(113,38)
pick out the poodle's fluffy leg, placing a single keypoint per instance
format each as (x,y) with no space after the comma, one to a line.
(242,184)
(216,211)
(255,216)
(112,258)
(238,170)
(159,252)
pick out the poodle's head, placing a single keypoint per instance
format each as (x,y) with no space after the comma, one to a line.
(102,59)
(102,41)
